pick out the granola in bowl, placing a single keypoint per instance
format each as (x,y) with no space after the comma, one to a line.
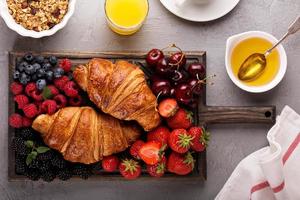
(38,15)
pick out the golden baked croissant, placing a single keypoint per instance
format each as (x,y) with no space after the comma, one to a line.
(120,90)
(84,136)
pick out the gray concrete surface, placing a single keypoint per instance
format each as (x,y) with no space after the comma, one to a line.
(87,31)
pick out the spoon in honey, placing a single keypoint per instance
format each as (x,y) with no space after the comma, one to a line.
(256,63)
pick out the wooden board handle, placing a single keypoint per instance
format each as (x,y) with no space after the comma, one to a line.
(228,114)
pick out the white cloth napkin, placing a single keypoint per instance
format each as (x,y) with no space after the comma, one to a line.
(272,172)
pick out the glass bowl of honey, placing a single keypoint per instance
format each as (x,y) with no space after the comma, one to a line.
(239,47)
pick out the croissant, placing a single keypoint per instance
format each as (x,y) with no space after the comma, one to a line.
(84,136)
(120,90)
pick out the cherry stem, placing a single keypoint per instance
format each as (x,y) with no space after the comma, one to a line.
(181,58)
(156,102)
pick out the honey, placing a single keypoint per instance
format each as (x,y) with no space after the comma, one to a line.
(256,45)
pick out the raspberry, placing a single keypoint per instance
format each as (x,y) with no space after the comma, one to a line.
(30,110)
(65,64)
(15,120)
(21,100)
(60,82)
(49,106)
(71,89)
(37,95)
(75,101)
(26,122)
(39,107)
(16,88)
(60,100)
(30,87)
(53,89)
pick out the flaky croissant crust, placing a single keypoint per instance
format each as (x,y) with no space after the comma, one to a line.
(120,90)
(84,136)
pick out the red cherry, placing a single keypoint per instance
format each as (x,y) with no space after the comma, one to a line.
(179,77)
(183,93)
(162,87)
(178,60)
(196,86)
(154,56)
(197,70)
(163,68)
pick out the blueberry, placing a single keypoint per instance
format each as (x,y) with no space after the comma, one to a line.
(23,79)
(21,67)
(29,69)
(46,66)
(28,57)
(36,66)
(16,75)
(53,60)
(41,83)
(58,72)
(49,75)
(40,73)
(40,59)
(34,77)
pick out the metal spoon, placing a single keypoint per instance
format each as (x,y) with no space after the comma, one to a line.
(256,63)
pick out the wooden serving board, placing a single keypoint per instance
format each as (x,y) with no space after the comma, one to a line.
(205,115)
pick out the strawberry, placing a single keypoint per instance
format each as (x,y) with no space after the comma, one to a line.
(135,147)
(201,138)
(130,169)
(158,169)
(181,164)
(167,107)
(151,152)
(160,134)
(110,163)
(180,140)
(182,119)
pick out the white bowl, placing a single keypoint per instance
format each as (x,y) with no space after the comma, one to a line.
(10,22)
(234,40)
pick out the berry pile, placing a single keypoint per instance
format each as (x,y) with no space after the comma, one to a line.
(173,77)
(41,85)
(36,161)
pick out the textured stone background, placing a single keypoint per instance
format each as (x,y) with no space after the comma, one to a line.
(87,31)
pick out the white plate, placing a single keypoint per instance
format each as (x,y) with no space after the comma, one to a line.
(194,10)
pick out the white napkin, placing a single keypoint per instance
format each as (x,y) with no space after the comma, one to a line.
(272,172)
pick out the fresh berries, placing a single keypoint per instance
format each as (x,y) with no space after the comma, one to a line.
(54,91)
(182,119)
(49,106)
(71,89)
(75,101)
(160,134)
(40,84)
(15,120)
(65,64)
(201,138)
(130,169)
(110,163)
(167,107)
(58,72)
(61,82)
(151,152)
(26,122)
(16,88)
(135,147)
(60,100)
(37,95)
(21,100)
(30,87)
(181,164)
(30,110)
(158,169)
(180,140)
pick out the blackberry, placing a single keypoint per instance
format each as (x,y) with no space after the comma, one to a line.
(96,167)
(48,175)
(18,145)
(33,174)
(26,133)
(20,165)
(45,156)
(59,162)
(64,174)
(82,171)
(44,165)
(35,164)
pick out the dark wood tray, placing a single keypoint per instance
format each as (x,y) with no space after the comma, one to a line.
(205,115)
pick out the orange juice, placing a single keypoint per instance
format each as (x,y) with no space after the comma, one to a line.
(126,17)
(256,45)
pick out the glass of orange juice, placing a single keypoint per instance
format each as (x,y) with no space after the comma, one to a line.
(126,17)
